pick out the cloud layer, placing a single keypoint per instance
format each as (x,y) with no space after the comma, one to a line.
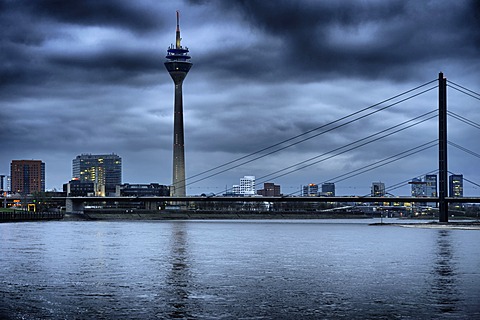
(88,77)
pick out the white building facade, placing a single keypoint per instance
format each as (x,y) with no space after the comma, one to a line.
(246,186)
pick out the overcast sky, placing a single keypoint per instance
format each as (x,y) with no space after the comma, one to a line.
(88,77)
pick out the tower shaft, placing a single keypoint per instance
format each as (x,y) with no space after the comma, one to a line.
(178,175)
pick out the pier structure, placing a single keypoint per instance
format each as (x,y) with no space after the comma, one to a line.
(178,64)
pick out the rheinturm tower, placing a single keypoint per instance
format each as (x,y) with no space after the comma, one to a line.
(178,64)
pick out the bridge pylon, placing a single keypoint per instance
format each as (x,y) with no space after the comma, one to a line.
(442,149)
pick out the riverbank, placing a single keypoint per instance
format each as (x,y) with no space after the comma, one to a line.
(452,225)
(20,216)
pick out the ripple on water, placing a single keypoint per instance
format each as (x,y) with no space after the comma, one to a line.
(230,270)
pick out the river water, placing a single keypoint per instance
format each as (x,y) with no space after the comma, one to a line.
(292,269)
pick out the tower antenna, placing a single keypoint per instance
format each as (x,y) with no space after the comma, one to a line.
(177,42)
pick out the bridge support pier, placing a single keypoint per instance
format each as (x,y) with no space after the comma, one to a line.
(72,206)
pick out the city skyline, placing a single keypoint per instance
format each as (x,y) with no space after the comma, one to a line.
(89,78)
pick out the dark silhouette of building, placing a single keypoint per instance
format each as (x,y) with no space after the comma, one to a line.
(378,189)
(456,185)
(77,188)
(431,185)
(27,176)
(328,189)
(178,64)
(142,190)
(270,190)
(455,189)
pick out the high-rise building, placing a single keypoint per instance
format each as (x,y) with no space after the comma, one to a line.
(27,176)
(456,185)
(425,187)
(455,188)
(418,187)
(431,185)
(104,170)
(310,190)
(269,190)
(2,186)
(178,64)
(378,189)
(328,189)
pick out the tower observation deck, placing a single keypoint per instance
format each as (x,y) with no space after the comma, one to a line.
(178,64)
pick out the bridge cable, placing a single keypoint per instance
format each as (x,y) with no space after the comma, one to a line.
(303,140)
(350,149)
(380,163)
(395,158)
(464,149)
(311,130)
(363,140)
(403,183)
(470,93)
(400,184)
(464,120)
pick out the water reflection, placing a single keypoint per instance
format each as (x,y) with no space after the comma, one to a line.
(179,277)
(444,286)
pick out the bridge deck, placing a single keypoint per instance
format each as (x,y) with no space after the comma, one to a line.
(354,199)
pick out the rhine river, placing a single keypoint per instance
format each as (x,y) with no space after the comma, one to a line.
(288,269)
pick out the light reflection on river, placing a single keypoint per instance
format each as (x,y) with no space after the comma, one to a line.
(304,269)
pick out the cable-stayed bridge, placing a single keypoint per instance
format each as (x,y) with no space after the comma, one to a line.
(441,142)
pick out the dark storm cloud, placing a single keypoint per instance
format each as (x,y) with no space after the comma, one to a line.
(113,66)
(374,39)
(29,26)
(131,15)
(88,77)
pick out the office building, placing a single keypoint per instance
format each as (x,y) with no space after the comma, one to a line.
(328,189)
(104,170)
(455,189)
(431,185)
(2,186)
(27,176)
(425,187)
(456,185)
(378,189)
(270,190)
(77,188)
(178,64)
(245,188)
(310,190)
(431,188)
(417,187)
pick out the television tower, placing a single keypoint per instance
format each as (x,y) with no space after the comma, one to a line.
(178,64)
